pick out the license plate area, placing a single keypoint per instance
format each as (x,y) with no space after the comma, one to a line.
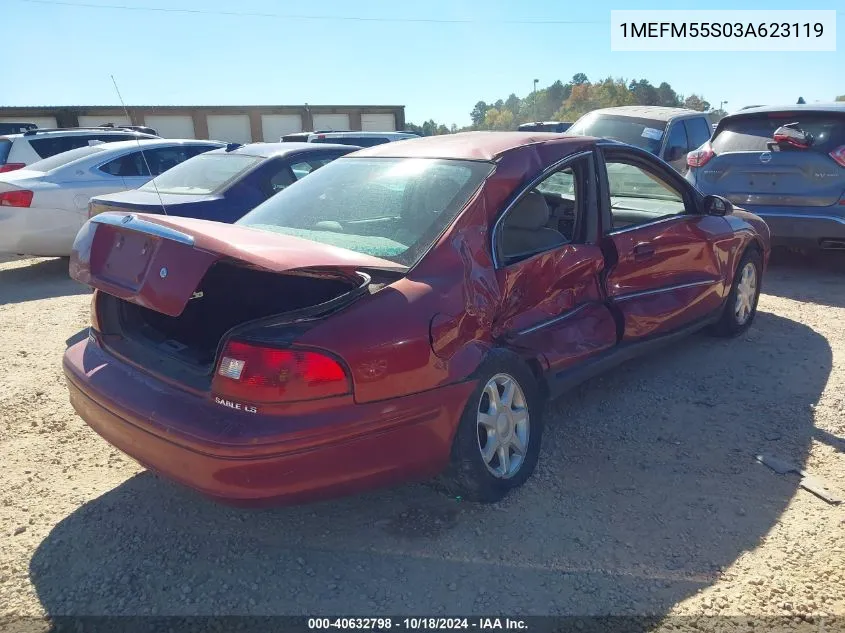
(128,261)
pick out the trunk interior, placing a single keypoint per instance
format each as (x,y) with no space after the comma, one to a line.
(229,295)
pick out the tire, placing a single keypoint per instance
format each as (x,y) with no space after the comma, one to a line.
(737,316)
(469,474)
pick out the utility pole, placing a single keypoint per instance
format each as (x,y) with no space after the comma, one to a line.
(535,99)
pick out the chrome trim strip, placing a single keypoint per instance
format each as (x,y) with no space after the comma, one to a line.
(133,223)
(525,189)
(552,321)
(657,291)
(635,227)
(797,216)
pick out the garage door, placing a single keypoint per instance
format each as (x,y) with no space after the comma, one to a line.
(40,121)
(102,119)
(331,122)
(274,126)
(171,125)
(233,128)
(378,122)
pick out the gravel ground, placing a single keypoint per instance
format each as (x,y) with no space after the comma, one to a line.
(647,499)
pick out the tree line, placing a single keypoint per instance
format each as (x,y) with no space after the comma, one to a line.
(568,101)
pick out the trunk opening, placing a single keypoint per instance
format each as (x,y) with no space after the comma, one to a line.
(184,347)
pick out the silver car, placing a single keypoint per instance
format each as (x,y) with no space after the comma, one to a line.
(43,206)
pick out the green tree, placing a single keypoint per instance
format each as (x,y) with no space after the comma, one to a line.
(801,101)
(513,103)
(694,102)
(558,93)
(666,96)
(442,129)
(496,119)
(644,92)
(579,79)
(478,113)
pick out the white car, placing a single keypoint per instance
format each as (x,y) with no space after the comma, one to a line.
(19,150)
(43,206)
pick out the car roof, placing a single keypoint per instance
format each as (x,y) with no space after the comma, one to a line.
(79,132)
(656,113)
(267,150)
(466,145)
(803,107)
(367,134)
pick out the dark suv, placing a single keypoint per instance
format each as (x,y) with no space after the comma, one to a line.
(669,133)
(784,163)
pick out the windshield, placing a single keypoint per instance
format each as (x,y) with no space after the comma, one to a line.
(393,208)
(202,174)
(644,133)
(59,160)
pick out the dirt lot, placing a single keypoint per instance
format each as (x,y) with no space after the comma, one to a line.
(647,498)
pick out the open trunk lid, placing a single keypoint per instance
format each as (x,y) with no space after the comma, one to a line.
(158,262)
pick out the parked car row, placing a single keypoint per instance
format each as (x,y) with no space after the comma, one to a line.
(400,313)
(786,164)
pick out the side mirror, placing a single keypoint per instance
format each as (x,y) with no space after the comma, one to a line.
(674,153)
(717,205)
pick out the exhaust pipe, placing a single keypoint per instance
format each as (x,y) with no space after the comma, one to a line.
(833,245)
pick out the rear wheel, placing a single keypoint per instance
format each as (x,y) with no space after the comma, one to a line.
(741,305)
(497,443)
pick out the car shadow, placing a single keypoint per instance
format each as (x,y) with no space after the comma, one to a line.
(821,277)
(647,488)
(42,279)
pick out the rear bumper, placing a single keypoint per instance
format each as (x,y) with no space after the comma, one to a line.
(803,227)
(40,232)
(251,459)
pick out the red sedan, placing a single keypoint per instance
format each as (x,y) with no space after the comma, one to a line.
(402,313)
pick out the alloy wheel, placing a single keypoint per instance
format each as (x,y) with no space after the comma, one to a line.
(746,293)
(503,426)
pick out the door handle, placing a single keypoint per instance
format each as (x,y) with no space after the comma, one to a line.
(643,251)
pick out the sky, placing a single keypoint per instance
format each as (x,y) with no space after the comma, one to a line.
(66,54)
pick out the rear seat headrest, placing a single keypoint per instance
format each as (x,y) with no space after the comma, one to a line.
(532,212)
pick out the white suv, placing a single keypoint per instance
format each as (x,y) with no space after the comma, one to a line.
(19,150)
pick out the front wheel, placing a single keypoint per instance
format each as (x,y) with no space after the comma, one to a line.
(497,443)
(741,305)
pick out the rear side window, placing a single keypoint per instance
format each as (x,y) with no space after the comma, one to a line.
(5,148)
(47,146)
(159,160)
(698,131)
(754,133)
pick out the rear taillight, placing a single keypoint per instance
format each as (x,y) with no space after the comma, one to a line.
(11,167)
(701,156)
(16,198)
(839,155)
(257,373)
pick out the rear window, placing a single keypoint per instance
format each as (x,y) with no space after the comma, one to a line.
(47,146)
(202,174)
(646,134)
(59,160)
(5,148)
(754,133)
(393,208)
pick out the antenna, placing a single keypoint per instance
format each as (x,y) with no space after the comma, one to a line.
(138,141)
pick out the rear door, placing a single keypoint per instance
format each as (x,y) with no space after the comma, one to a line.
(549,264)
(750,169)
(665,271)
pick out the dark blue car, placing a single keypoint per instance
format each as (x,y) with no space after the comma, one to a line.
(224,184)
